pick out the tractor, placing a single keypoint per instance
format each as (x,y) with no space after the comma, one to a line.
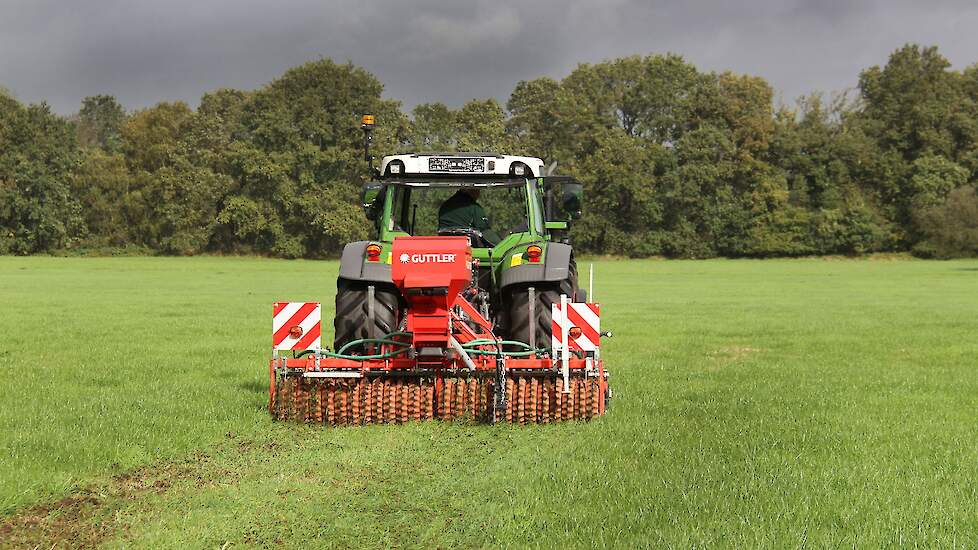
(449,313)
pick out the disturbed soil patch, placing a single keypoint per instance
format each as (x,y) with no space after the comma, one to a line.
(87,517)
(65,523)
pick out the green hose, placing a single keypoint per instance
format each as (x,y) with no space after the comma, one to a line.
(486,341)
(340,355)
(405,346)
(506,353)
(365,357)
(371,341)
(352,357)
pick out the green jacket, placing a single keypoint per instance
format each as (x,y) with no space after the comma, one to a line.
(461,211)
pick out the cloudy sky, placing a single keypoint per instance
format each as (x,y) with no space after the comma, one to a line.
(448,50)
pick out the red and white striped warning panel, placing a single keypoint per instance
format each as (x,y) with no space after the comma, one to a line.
(296,325)
(582,323)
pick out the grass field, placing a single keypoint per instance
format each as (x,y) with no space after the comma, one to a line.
(757,403)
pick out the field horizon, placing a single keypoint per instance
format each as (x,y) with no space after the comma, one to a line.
(802,402)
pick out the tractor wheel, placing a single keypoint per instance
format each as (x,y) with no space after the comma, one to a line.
(547,294)
(352,320)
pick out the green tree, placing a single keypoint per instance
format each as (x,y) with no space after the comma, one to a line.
(933,177)
(101,183)
(299,162)
(922,117)
(652,97)
(186,199)
(37,155)
(536,118)
(432,128)
(623,211)
(150,136)
(99,123)
(830,166)
(481,126)
(150,142)
(910,102)
(950,229)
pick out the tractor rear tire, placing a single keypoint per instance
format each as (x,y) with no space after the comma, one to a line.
(547,294)
(352,320)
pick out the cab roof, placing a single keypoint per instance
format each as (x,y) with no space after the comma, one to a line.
(461,168)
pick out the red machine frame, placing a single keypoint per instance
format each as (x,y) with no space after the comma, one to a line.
(432,274)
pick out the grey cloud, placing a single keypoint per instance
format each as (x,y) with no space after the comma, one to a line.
(431,50)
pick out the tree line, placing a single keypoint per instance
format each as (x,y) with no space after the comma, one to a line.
(675,162)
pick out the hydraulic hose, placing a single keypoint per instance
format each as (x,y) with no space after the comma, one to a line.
(353,357)
(506,353)
(371,341)
(340,355)
(486,341)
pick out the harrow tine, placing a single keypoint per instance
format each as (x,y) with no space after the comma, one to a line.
(510,396)
(474,397)
(355,402)
(521,398)
(405,403)
(429,401)
(460,409)
(378,400)
(538,400)
(595,398)
(415,402)
(320,395)
(390,402)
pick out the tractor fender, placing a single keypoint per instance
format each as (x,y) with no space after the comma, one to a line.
(555,267)
(354,268)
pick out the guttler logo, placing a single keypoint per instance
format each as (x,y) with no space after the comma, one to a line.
(427,258)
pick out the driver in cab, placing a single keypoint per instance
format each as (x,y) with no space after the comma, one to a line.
(462,211)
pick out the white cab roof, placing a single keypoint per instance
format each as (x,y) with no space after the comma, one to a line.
(461,164)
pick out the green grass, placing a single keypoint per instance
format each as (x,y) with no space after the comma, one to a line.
(757,403)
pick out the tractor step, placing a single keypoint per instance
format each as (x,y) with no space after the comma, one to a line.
(359,401)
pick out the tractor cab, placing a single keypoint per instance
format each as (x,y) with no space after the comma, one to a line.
(502,203)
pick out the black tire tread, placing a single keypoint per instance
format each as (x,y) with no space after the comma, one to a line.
(547,294)
(351,320)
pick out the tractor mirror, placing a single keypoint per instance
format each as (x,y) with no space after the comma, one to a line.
(562,196)
(370,199)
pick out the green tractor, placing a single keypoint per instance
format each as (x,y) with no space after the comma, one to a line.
(516,218)
(465,305)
